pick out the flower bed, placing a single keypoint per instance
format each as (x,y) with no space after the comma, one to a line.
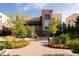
(62,46)
(17,44)
(60,42)
(11,42)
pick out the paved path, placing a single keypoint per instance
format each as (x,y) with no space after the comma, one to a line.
(38,48)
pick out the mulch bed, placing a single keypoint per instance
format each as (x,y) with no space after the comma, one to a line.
(61,46)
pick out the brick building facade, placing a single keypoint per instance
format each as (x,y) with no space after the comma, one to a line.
(42,22)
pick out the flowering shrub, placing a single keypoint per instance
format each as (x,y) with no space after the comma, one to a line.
(18,44)
(12,42)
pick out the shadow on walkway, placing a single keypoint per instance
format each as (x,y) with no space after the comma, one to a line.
(56,55)
(44,44)
(41,38)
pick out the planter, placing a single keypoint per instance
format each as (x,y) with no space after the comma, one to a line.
(62,46)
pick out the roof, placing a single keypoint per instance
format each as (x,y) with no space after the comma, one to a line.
(30,18)
(75,14)
(4,18)
(3,25)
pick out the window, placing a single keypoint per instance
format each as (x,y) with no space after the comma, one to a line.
(47,23)
(69,21)
(47,17)
(46,28)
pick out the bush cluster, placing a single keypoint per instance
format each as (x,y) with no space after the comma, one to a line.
(66,41)
(75,48)
(12,42)
(17,44)
(62,39)
(2,45)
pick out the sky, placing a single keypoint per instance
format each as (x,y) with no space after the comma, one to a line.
(34,9)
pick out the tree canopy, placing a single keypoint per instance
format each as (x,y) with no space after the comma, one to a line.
(54,27)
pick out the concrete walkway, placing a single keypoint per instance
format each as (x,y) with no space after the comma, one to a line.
(38,48)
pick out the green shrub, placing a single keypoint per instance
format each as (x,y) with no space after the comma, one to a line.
(31,31)
(59,41)
(11,38)
(55,40)
(12,42)
(2,45)
(72,41)
(74,45)
(62,41)
(64,38)
(18,44)
(1,31)
(51,35)
(75,48)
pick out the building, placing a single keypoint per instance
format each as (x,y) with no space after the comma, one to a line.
(70,25)
(3,18)
(71,20)
(42,22)
(3,21)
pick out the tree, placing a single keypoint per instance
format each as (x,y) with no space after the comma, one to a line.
(19,29)
(54,27)
(10,21)
(77,25)
(31,31)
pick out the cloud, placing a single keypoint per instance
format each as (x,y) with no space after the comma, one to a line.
(66,9)
(38,5)
(25,8)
